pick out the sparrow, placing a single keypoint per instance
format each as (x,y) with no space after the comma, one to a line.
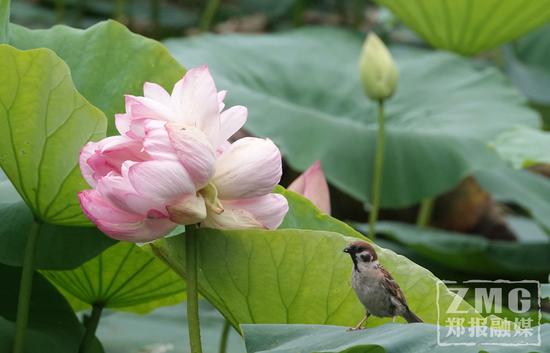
(375,287)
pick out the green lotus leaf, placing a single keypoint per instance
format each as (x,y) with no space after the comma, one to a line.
(473,254)
(303,91)
(527,64)
(123,277)
(521,187)
(52,327)
(44,122)
(58,247)
(106,61)
(523,147)
(386,339)
(297,274)
(469,26)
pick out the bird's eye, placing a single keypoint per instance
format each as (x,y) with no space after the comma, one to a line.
(366,257)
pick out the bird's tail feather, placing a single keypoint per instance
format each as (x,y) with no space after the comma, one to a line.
(411,317)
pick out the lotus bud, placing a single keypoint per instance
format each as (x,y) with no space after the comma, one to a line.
(313,185)
(377,69)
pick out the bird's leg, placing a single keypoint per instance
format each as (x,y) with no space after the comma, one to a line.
(393,320)
(360,324)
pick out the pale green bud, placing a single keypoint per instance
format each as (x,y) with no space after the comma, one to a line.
(377,69)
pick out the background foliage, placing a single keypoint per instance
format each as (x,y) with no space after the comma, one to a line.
(466,130)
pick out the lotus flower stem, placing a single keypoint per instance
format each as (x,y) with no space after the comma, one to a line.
(91,324)
(154,15)
(358,12)
(119,10)
(5,20)
(377,173)
(225,336)
(425,212)
(59,11)
(25,288)
(209,14)
(298,12)
(193,322)
(79,12)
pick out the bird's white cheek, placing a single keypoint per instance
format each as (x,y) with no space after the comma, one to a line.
(368,266)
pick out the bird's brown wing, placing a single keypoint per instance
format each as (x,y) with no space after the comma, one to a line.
(392,287)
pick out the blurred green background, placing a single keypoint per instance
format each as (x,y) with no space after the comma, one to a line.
(163,18)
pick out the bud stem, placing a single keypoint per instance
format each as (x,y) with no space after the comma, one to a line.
(377,173)
(425,212)
(193,322)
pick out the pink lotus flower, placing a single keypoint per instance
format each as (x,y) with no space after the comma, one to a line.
(313,185)
(173,164)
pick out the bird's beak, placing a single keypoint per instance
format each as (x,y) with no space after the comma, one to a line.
(347,250)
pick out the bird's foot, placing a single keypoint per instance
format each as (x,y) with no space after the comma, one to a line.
(357,328)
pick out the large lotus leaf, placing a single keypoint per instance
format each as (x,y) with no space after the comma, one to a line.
(164,330)
(295,275)
(53,326)
(471,253)
(58,247)
(526,229)
(470,26)
(124,277)
(386,339)
(523,147)
(526,189)
(303,91)
(44,122)
(528,65)
(28,14)
(106,61)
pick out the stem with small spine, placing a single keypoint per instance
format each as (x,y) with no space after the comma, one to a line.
(377,172)
(91,324)
(193,322)
(25,288)
(225,336)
